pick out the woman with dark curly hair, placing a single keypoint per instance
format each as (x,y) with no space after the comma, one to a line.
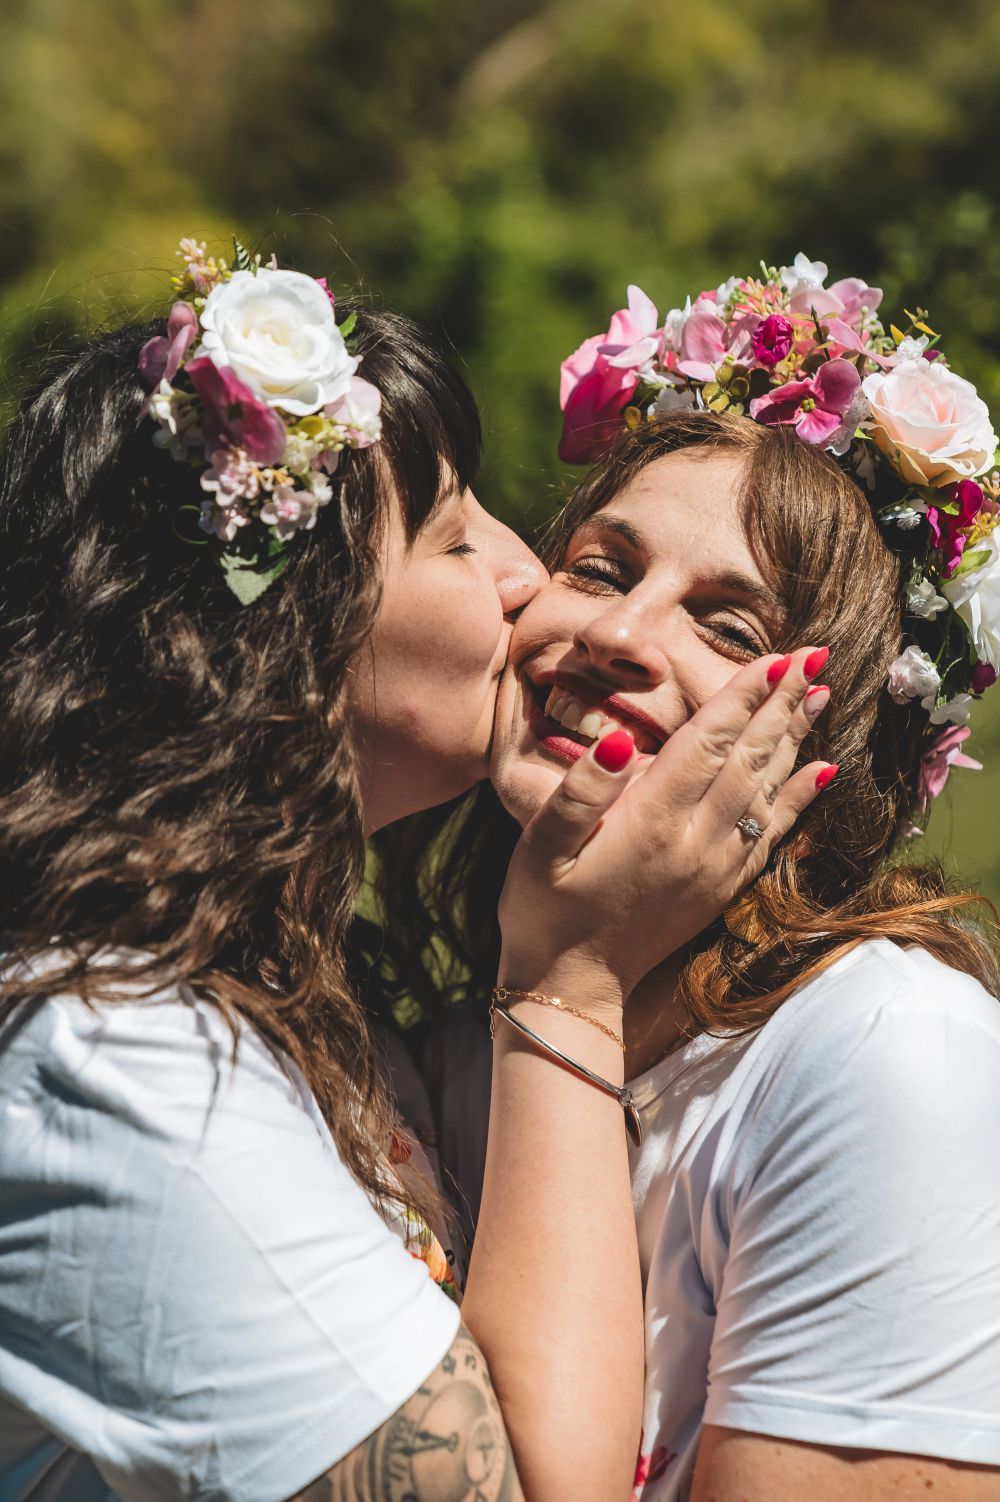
(251,611)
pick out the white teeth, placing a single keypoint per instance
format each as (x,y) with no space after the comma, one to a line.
(572,715)
(607,728)
(550,701)
(590,724)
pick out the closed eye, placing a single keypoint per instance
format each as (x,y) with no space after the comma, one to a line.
(602,572)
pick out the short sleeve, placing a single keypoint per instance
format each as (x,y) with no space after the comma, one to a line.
(860,1302)
(194,1291)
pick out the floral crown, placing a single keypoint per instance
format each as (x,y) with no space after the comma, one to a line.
(255,383)
(783,348)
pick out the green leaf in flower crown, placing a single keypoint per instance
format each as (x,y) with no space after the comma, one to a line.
(248,581)
(348,325)
(974,559)
(242,257)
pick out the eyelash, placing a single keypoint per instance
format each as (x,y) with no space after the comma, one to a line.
(611,573)
(461,550)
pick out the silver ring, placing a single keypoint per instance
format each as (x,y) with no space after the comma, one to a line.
(750,827)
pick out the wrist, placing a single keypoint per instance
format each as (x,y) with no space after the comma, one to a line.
(588,986)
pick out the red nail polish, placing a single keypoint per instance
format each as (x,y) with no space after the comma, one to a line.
(778,669)
(817,688)
(614,751)
(815,662)
(824,778)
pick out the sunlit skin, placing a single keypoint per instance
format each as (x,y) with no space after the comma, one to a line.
(425,685)
(658,603)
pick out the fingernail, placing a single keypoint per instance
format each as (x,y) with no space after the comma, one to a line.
(614,751)
(824,778)
(778,669)
(817,699)
(815,662)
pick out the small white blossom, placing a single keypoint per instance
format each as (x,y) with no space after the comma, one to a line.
(177,418)
(913,676)
(956,710)
(672,400)
(922,599)
(911,349)
(803,273)
(673,326)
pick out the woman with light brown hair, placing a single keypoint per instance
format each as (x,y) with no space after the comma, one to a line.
(817,1072)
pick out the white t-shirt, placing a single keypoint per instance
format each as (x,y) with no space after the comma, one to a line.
(818,1209)
(196,1298)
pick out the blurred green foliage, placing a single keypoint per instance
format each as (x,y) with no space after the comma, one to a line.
(500,170)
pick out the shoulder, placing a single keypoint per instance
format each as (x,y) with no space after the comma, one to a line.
(889,1048)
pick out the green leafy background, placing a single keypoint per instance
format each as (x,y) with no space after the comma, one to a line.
(500,170)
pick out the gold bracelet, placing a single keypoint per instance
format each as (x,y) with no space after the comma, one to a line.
(502,994)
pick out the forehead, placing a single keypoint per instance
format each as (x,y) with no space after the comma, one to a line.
(685,507)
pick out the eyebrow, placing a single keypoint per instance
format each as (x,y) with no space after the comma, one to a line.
(732,579)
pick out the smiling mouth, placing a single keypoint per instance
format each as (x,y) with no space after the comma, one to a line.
(568,725)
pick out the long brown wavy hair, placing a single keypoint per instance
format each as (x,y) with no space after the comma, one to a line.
(177,773)
(832,883)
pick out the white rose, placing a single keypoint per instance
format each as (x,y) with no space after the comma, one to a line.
(932,425)
(923,600)
(276,330)
(975,596)
(913,676)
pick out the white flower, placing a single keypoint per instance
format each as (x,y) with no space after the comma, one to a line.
(913,676)
(673,326)
(922,599)
(931,424)
(276,330)
(975,596)
(358,412)
(803,274)
(857,413)
(725,290)
(956,711)
(672,400)
(911,349)
(175,412)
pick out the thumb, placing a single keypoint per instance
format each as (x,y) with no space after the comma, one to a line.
(566,821)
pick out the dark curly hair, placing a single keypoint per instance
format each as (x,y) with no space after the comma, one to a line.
(177,776)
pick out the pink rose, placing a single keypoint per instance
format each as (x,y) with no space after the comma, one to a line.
(233,416)
(932,425)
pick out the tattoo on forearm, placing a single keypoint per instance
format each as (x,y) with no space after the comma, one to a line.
(446,1444)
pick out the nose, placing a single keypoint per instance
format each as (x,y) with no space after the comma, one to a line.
(619,642)
(517,572)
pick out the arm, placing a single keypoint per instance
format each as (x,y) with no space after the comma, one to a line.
(737,1467)
(611,877)
(448,1441)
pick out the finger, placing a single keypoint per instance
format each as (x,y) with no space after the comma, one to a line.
(804,718)
(801,790)
(567,820)
(687,765)
(751,765)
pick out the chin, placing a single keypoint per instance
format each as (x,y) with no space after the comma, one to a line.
(523,786)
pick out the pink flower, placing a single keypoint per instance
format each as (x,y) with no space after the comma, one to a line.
(983,677)
(707,341)
(232,414)
(597,381)
(320,282)
(815,406)
(290,511)
(772,339)
(160,358)
(949,530)
(938,761)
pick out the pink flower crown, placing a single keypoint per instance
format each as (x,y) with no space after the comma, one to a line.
(786,349)
(255,383)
